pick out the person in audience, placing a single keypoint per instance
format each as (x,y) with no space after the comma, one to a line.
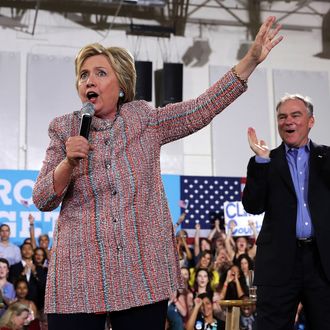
(205,262)
(240,245)
(27,270)
(177,311)
(185,276)
(22,292)
(186,290)
(217,237)
(184,253)
(245,263)
(222,261)
(247,316)
(8,250)
(40,257)
(291,185)
(201,285)
(43,239)
(202,316)
(109,186)
(15,317)
(232,285)
(216,230)
(7,291)
(201,244)
(39,260)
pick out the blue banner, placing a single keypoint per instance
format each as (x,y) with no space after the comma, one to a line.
(16,203)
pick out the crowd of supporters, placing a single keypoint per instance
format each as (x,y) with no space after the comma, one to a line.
(216,268)
(23,274)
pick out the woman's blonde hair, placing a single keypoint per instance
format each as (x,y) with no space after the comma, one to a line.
(121,61)
(13,309)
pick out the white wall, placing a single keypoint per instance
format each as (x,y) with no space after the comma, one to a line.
(57,39)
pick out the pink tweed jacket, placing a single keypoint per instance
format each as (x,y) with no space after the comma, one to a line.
(114,245)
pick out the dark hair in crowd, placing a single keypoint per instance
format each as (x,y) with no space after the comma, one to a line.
(4,261)
(210,277)
(26,243)
(247,257)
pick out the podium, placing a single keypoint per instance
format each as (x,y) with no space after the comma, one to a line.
(233,311)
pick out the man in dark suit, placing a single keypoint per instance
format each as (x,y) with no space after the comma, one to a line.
(34,275)
(291,184)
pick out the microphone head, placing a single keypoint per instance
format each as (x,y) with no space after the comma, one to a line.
(88,109)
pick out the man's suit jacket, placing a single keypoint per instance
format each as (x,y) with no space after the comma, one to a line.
(269,188)
(36,283)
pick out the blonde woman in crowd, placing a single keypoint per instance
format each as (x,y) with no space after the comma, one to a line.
(15,317)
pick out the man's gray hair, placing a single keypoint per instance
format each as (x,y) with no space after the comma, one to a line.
(306,99)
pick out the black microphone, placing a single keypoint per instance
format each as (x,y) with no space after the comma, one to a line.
(87,112)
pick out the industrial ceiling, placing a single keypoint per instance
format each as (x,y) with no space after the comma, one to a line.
(162,18)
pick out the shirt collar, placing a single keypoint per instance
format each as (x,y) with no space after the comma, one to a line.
(306,147)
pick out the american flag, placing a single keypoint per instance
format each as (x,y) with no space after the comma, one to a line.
(205,196)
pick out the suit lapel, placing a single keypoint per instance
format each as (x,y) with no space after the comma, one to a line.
(280,162)
(316,160)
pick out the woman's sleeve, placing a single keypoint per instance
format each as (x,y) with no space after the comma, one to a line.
(178,120)
(44,195)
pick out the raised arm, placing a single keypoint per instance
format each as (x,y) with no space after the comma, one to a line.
(193,316)
(177,120)
(197,249)
(223,292)
(180,303)
(259,147)
(180,220)
(186,248)
(215,230)
(264,42)
(255,190)
(31,229)
(229,243)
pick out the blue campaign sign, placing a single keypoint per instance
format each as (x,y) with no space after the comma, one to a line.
(16,203)
(172,190)
(236,216)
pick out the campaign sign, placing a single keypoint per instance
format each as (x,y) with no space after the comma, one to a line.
(235,214)
(16,205)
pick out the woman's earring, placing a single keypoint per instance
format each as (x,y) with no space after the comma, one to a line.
(121,94)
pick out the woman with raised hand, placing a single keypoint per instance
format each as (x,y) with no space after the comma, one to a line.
(114,246)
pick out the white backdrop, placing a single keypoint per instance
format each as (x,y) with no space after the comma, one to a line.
(312,84)
(51,92)
(229,130)
(9,109)
(256,108)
